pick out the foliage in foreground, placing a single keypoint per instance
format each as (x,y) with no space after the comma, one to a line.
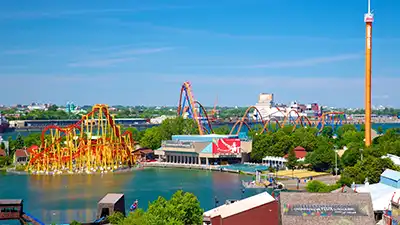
(321,187)
(183,208)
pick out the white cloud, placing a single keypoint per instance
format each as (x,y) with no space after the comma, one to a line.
(143,51)
(52,14)
(117,57)
(101,62)
(307,62)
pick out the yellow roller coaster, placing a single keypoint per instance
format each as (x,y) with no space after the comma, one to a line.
(93,144)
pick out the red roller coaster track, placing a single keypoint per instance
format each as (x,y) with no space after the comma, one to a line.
(287,120)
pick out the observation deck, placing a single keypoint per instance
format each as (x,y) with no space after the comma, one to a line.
(368,17)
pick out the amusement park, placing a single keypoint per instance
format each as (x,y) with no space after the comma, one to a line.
(96,143)
(266,163)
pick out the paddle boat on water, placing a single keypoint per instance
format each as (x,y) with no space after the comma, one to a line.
(134,206)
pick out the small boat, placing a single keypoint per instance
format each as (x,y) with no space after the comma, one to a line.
(134,206)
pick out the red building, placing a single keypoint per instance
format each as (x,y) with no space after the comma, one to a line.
(256,210)
(300,153)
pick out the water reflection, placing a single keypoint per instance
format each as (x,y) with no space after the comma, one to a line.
(67,197)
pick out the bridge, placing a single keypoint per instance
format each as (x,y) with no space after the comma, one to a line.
(40,124)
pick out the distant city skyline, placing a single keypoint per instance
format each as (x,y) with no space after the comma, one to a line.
(130,53)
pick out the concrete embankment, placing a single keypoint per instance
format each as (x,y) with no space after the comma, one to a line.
(194,166)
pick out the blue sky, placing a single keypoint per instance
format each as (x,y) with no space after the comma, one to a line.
(140,52)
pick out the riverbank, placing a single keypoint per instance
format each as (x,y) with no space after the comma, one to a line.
(289,180)
(195,166)
(120,170)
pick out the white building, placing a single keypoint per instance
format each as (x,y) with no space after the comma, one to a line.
(160,119)
(395,159)
(37,107)
(383,192)
(268,109)
(274,161)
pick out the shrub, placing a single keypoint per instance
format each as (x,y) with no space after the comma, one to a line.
(116,218)
(74,222)
(321,187)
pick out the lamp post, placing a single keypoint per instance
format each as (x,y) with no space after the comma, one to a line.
(336,168)
(361,150)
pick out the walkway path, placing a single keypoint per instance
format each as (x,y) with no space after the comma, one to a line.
(292,183)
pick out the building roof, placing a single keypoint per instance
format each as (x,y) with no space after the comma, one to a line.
(395,159)
(299,151)
(240,206)
(143,151)
(21,153)
(391,174)
(111,198)
(11,201)
(2,152)
(381,194)
(201,138)
(340,152)
(299,148)
(344,189)
(275,158)
(294,208)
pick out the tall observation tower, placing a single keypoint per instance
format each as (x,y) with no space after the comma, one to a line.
(368,19)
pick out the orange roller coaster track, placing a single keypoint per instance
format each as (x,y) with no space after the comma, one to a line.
(93,144)
(328,118)
(192,109)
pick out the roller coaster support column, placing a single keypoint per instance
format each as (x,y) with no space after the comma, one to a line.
(368,19)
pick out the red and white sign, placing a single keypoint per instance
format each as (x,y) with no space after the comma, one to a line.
(226,146)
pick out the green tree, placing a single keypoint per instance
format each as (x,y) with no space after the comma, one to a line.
(322,159)
(222,130)
(380,130)
(292,160)
(319,186)
(260,148)
(305,137)
(350,157)
(74,222)
(2,146)
(135,218)
(282,143)
(152,138)
(371,168)
(53,108)
(136,134)
(178,126)
(183,208)
(327,132)
(5,161)
(32,139)
(345,128)
(116,218)
(355,138)
(19,144)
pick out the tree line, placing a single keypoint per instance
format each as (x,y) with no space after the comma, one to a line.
(357,163)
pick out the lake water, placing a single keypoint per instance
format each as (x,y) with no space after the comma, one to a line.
(64,198)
